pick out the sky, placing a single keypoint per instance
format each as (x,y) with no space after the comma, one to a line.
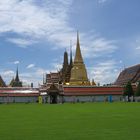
(35,33)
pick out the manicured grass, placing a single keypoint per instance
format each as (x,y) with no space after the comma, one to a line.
(87,121)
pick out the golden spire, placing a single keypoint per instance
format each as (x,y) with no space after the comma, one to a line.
(78,56)
(78,72)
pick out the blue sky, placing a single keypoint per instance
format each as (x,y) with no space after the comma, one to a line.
(35,33)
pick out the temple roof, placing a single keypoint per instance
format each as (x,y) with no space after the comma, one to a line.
(16,82)
(131,74)
(11,82)
(65,59)
(2,83)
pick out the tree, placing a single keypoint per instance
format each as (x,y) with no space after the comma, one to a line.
(128,91)
(137,93)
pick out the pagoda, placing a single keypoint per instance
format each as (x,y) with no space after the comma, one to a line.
(78,71)
(66,69)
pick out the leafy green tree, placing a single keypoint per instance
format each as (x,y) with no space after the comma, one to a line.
(128,91)
(137,93)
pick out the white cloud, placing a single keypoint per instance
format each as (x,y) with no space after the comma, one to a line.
(36,76)
(96,46)
(48,21)
(30,66)
(137,43)
(138,48)
(120,61)
(16,62)
(104,72)
(23,43)
(134,47)
(102,1)
(56,66)
(40,71)
(28,19)
(8,73)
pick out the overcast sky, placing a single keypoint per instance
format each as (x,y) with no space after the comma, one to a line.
(35,33)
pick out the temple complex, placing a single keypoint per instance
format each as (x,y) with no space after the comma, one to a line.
(69,84)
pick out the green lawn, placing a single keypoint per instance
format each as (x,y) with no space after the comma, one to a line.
(87,121)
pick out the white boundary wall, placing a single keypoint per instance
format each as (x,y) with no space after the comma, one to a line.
(26,99)
(102,98)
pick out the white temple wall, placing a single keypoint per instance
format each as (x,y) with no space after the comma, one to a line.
(101,98)
(60,99)
(18,99)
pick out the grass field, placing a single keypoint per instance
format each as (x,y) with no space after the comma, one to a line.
(88,121)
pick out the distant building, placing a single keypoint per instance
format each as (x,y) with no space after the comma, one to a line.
(53,77)
(16,82)
(130,74)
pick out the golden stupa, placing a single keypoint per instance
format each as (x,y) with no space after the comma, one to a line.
(78,72)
